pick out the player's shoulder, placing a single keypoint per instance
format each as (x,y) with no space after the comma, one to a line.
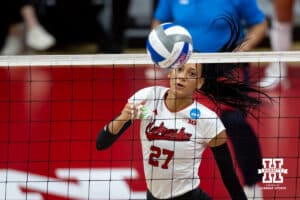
(154,90)
(151,92)
(205,111)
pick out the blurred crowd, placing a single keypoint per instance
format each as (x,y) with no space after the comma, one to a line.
(36,26)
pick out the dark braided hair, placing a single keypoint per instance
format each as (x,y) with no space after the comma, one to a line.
(222,84)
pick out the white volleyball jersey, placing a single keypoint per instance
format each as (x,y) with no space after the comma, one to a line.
(173,142)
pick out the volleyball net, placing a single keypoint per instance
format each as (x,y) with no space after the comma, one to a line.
(53,107)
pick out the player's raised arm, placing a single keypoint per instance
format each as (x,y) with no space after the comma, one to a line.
(115,128)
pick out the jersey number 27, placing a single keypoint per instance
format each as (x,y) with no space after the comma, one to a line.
(156,153)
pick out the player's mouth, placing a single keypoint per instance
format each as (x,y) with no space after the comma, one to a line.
(179,86)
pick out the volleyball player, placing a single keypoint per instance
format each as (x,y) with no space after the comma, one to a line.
(175,129)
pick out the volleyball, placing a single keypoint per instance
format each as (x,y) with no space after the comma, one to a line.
(169,45)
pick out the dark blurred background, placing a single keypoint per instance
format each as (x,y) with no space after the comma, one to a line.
(109,26)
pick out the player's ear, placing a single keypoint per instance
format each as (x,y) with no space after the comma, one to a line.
(200,83)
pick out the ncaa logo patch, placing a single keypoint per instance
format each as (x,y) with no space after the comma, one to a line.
(195,113)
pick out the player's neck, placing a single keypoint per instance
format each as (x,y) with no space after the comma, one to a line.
(176,104)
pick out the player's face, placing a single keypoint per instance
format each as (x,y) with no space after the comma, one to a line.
(185,79)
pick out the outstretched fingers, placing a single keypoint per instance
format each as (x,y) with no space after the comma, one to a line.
(135,111)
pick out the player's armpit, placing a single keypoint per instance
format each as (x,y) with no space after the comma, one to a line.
(218,140)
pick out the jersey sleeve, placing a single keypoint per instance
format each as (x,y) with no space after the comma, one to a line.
(139,96)
(148,94)
(163,11)
(213,127)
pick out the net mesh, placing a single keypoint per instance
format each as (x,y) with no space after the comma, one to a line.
(53,107)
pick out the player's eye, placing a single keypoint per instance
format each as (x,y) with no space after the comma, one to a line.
(192,75)
(179,69)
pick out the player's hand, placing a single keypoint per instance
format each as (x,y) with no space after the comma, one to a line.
(133,111)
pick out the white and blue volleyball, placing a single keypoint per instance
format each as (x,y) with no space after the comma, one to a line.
(169,45)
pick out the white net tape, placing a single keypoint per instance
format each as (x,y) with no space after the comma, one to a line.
(123,59)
